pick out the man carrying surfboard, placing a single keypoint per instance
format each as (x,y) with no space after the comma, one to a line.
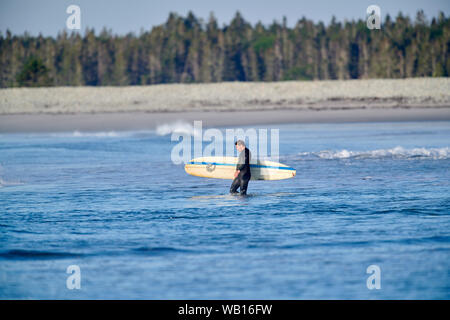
(242,174)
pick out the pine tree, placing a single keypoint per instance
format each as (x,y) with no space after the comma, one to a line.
(185,49)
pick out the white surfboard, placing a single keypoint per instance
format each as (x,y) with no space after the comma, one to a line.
(224,168)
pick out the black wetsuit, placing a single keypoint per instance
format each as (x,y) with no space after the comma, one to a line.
(243,165)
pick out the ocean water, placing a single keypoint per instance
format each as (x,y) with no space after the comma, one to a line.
(139,227)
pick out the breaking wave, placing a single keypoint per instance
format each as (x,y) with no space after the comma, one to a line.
(393,153)
(98,134)
(177,127)
(4,183)
(109,134)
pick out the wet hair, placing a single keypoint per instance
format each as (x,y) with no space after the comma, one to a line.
(239,143)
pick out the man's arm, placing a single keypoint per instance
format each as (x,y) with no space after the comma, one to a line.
(243,160)
(240,164)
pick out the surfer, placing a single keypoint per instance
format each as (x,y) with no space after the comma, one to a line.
(242,174)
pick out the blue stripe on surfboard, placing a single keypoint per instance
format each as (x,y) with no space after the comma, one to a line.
(231,164)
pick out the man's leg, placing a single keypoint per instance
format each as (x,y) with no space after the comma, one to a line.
(235,185)
(243,186)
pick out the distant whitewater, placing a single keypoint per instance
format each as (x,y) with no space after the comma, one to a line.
(181,127)
(393,153)
(95,134)
(4,183)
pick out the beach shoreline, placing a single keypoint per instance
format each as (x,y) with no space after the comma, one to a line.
(136,121)
(223,104)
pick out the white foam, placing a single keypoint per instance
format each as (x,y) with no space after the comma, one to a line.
(177,127)
(395,153)
(4,183)
(99,134)
(109,134)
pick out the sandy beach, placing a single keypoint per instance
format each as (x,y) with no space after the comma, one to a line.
(222,104)
(150,121)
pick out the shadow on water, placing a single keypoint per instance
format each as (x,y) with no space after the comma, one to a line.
(247,196)
(233,199)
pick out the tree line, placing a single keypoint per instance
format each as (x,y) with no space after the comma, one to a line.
(190,50)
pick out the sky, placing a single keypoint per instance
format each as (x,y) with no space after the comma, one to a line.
(48,17)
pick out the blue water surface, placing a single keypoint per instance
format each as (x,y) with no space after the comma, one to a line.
(139,227)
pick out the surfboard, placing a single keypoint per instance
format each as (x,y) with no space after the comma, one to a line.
(224,168)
